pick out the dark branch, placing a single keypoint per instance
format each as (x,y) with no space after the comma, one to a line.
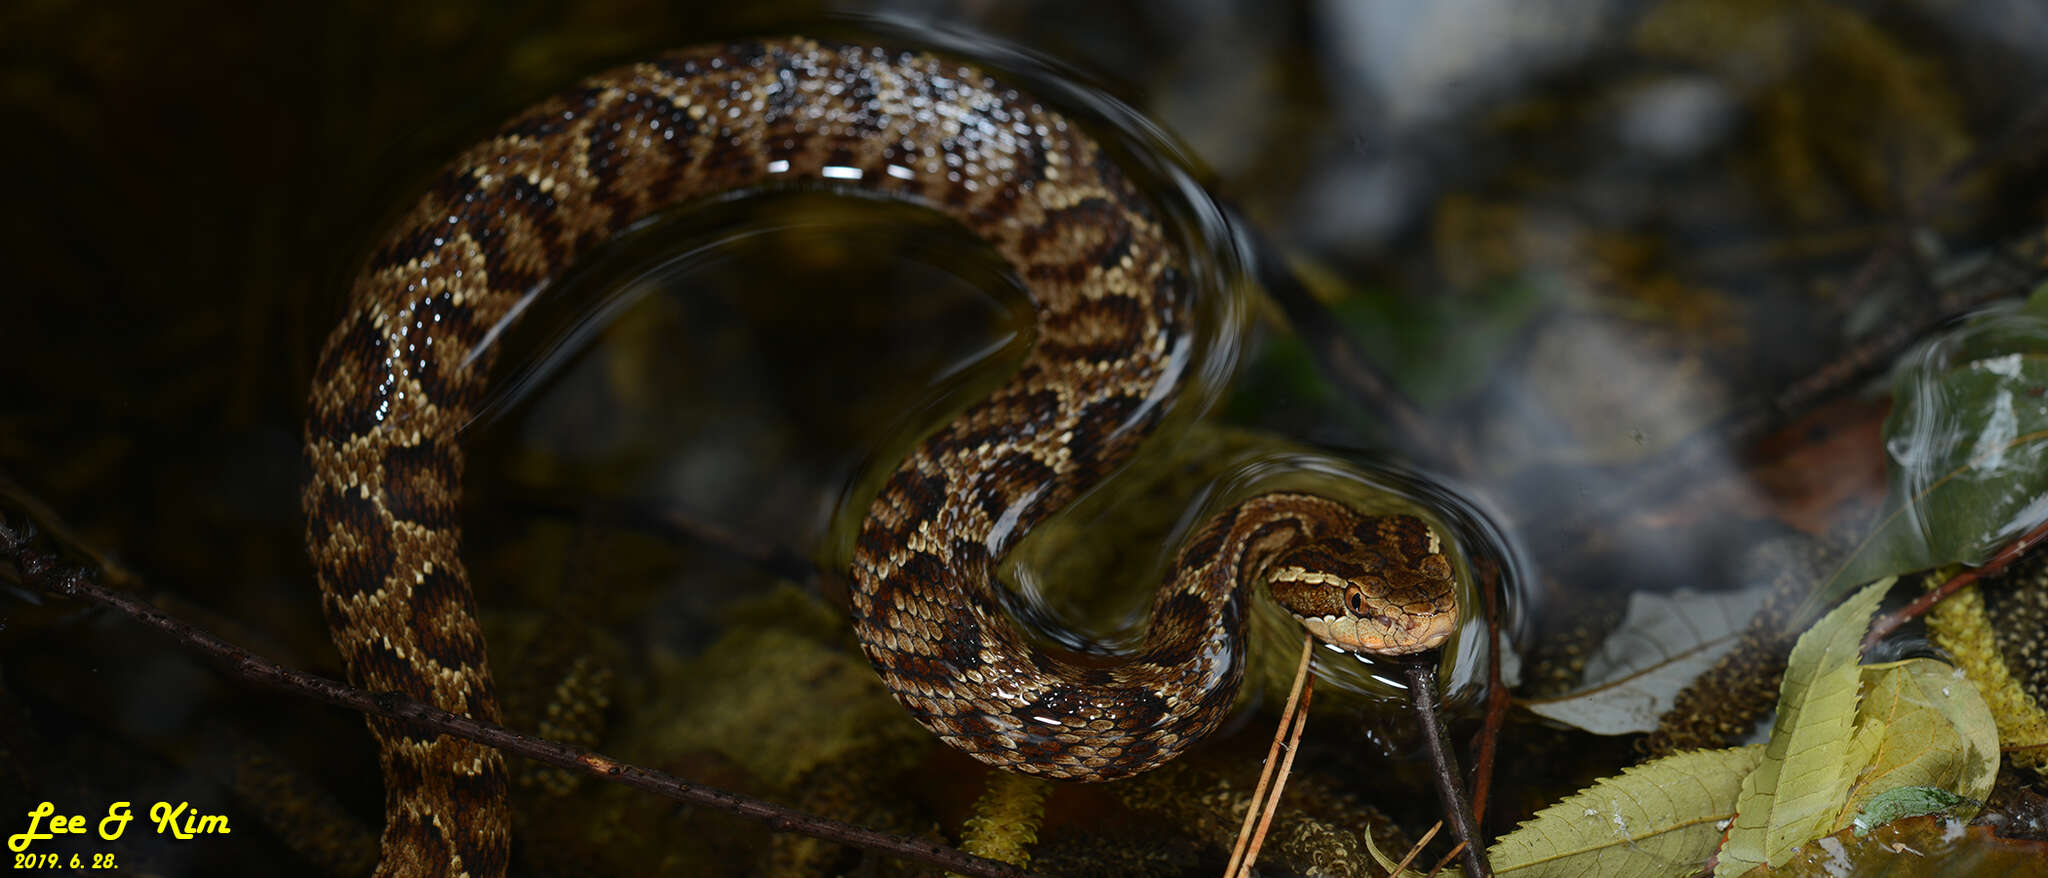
(1496,693)
(41,569)
(2013,551)
(1421,673)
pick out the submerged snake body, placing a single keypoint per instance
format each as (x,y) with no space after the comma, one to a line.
(401,374)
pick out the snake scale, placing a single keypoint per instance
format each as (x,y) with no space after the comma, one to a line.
(402,372)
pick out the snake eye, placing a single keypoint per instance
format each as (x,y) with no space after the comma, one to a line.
(1354,600)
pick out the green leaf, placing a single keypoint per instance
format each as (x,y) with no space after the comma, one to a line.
(1920,726)
(1387,863)
(1937,733)
(1804,777)
(2037,301)
(1659,818)
(1901,802)
(1968,441)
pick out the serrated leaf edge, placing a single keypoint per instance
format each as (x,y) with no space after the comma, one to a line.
(1735,762)
(1822,670)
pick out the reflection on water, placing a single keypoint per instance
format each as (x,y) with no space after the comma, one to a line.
(1966,401)
(591,405)
(1091,597)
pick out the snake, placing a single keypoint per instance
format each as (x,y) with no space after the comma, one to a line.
(407,365)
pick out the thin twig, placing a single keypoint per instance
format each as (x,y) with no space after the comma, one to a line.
(1497,699)
(1456,849)
(1294,716)
(42,569)
(1416,851)
(1421,673)
(2012,552)
(1251,852)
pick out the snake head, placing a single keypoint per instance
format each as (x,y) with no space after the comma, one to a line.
(1385,588)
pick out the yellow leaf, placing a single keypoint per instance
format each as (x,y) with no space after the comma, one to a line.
(1659,818)
(1804,776)
(1869,739)
(1937,732)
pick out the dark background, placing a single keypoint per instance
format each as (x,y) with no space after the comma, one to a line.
(1575,233)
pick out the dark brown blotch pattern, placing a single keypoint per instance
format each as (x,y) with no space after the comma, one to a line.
(401,373)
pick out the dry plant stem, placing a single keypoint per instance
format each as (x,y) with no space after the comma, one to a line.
(1293,716)
(1457,849)
(1421,673)
(1251,851)
(2013,551)
(1416,851)
(41,569)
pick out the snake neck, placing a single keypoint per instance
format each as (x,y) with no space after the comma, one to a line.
(931,620)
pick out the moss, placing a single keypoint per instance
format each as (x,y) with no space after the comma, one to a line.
(780,706)
(559,680)
(863,786)
(776,702)
(303,815)
(1006,818)
(1185,816)
(1961,626)
(1723,706)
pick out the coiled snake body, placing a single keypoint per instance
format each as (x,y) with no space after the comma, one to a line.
(401,373)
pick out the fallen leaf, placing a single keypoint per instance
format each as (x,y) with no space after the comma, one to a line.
(1968,442)
(1664,642)
(1660,818)
(1793,794)
(1937,733)
(1899,803)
